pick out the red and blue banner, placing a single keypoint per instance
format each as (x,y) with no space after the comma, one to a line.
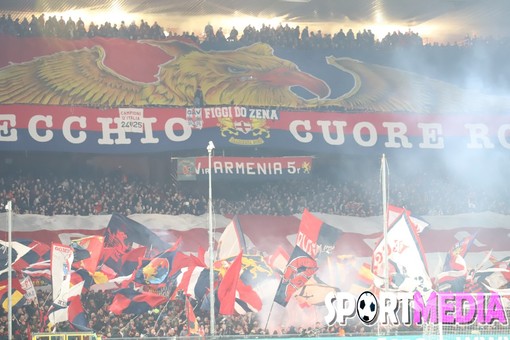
(107,95)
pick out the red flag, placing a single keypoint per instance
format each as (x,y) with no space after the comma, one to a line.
(130,260)
(182,260)
(94,245)
(129,301)
(247,299)
(201,254)
(192,319)
(228,287)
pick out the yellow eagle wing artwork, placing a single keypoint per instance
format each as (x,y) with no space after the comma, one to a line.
(250,76)
(386,89)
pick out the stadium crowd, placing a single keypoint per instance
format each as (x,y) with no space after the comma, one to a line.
(165,321)
(355,192)
(85,191)
(282,36)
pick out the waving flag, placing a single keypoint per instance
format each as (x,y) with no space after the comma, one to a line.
(247,299)
(228,286)
(94,246)
(453,277)
(17,292)
(315,237)
(407,266)
(61,263)
(182,260)
(395,212)
(131,260)
(124,234)
(193,281)
(495,278)
(28,287)
(76,314)
(299,270)
(59,312)
(130,301)
(38,252)
(231,241)
(18,250)
(315,241)
(279,259)
(193,328)
(313,293)
(156,270)
(39,270)
(364,278)
(255,270)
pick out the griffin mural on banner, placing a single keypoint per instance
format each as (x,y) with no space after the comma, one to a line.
(100,72)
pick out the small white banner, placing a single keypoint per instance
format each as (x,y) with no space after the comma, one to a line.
(131,120)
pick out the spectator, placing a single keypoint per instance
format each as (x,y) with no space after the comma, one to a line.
(198,99)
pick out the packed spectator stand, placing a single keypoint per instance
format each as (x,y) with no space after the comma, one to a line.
(347,187)
(281,36)
(85,191)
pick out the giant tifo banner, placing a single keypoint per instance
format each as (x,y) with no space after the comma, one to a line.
(119,96)
(193,168)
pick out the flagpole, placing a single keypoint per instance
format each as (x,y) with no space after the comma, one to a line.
(269,315)
(8,208)
(212,327)
(384,190)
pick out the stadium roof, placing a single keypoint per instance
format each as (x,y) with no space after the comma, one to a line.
(431,18)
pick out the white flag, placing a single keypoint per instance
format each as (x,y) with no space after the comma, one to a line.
(231,242)
(61,264)
(407,268)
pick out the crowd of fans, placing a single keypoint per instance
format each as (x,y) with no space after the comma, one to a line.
(282,36)
(89,192)
(166,321)
(347,189)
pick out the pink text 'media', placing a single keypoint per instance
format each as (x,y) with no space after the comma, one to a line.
(459,308)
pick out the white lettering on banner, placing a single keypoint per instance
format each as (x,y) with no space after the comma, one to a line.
(357,133)
(432,136)
(32,128)
(66,129)
(365,134)
(293,129)
(325,124)
(429,135)
(504,135)
(170,133)
(6,134)
(479,138)
(239,112)
(311,247)
(397,130)
(147,128)
(263,114)
(107,140)
(218,112)
(247,168)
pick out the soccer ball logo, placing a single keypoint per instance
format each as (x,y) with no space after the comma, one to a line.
(367,307)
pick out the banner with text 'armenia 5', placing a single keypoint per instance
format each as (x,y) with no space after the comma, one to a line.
(197,168)
(106,95)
